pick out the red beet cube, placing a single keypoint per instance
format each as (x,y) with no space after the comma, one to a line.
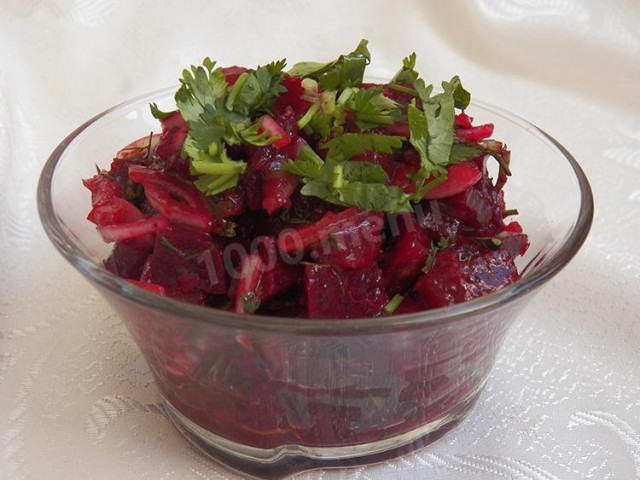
(336,293)
(464,272)
(187,263)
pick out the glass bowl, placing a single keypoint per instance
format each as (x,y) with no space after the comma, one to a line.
(273,396)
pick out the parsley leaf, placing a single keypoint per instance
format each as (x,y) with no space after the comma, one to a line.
(372,108)
(375,197)
(407,74)
(431,133)
(201,86)
(440,113)
(308,164)
(350,183)
(461,152)
(157,113)
(346,71)
(218,116)
(364,172)
(351,144)
(461,97)
(255,91)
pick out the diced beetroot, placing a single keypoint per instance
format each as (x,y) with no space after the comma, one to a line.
(250,184)
(403,263)
(127,259)
(464,272)
(102,188)
(187,263)
(116,211)
(409,305)
(433,220)
(174,132)
(179,188)
(151,287)
(294,148)
(460,177)
(247,298)
(264,184)
(138,149)
(175,199)
(277,188)
(228,203)
(278,279)
(126,231)
(355,245)
(119,172)
(475,134)
(479,207)
(231,74)
(263,275)
(514,227)
(329,224)
(336,293)
(268,124)
(400,178)
(464,120)
(400,129)
(411,158)
(516,243)
(402,98)
(291,98)
(385,160)
(307,208)
(176,211)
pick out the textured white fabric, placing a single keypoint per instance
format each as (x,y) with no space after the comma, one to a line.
(77,400)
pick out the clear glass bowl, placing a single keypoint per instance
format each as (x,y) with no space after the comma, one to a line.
(273,396)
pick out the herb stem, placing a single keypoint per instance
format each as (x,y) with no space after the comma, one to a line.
(338,179)
(399,88)
(306,118)
(393,304)
(430,186)
(211,168)
(379,119)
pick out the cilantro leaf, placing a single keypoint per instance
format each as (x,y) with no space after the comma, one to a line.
(423,90)
(255,91)
(308,164)
(407,75)
(372,108)
(218,116)
(440,114)
(351,144)
(157,113)
(431,134)
(375,197)
(370,196)
(346,71)
(432,130)
(349,183)
(368,172)
(461,152)
(419,135)
(201,86)
(461,97)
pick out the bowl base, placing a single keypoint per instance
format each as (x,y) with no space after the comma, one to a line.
(281,462)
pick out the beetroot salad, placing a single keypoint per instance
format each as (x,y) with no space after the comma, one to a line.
(309,193)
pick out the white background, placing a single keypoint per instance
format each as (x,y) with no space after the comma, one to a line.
(76,399)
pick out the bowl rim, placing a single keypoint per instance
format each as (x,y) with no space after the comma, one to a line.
(96,273)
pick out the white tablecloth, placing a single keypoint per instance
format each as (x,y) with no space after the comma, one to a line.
(77,400)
